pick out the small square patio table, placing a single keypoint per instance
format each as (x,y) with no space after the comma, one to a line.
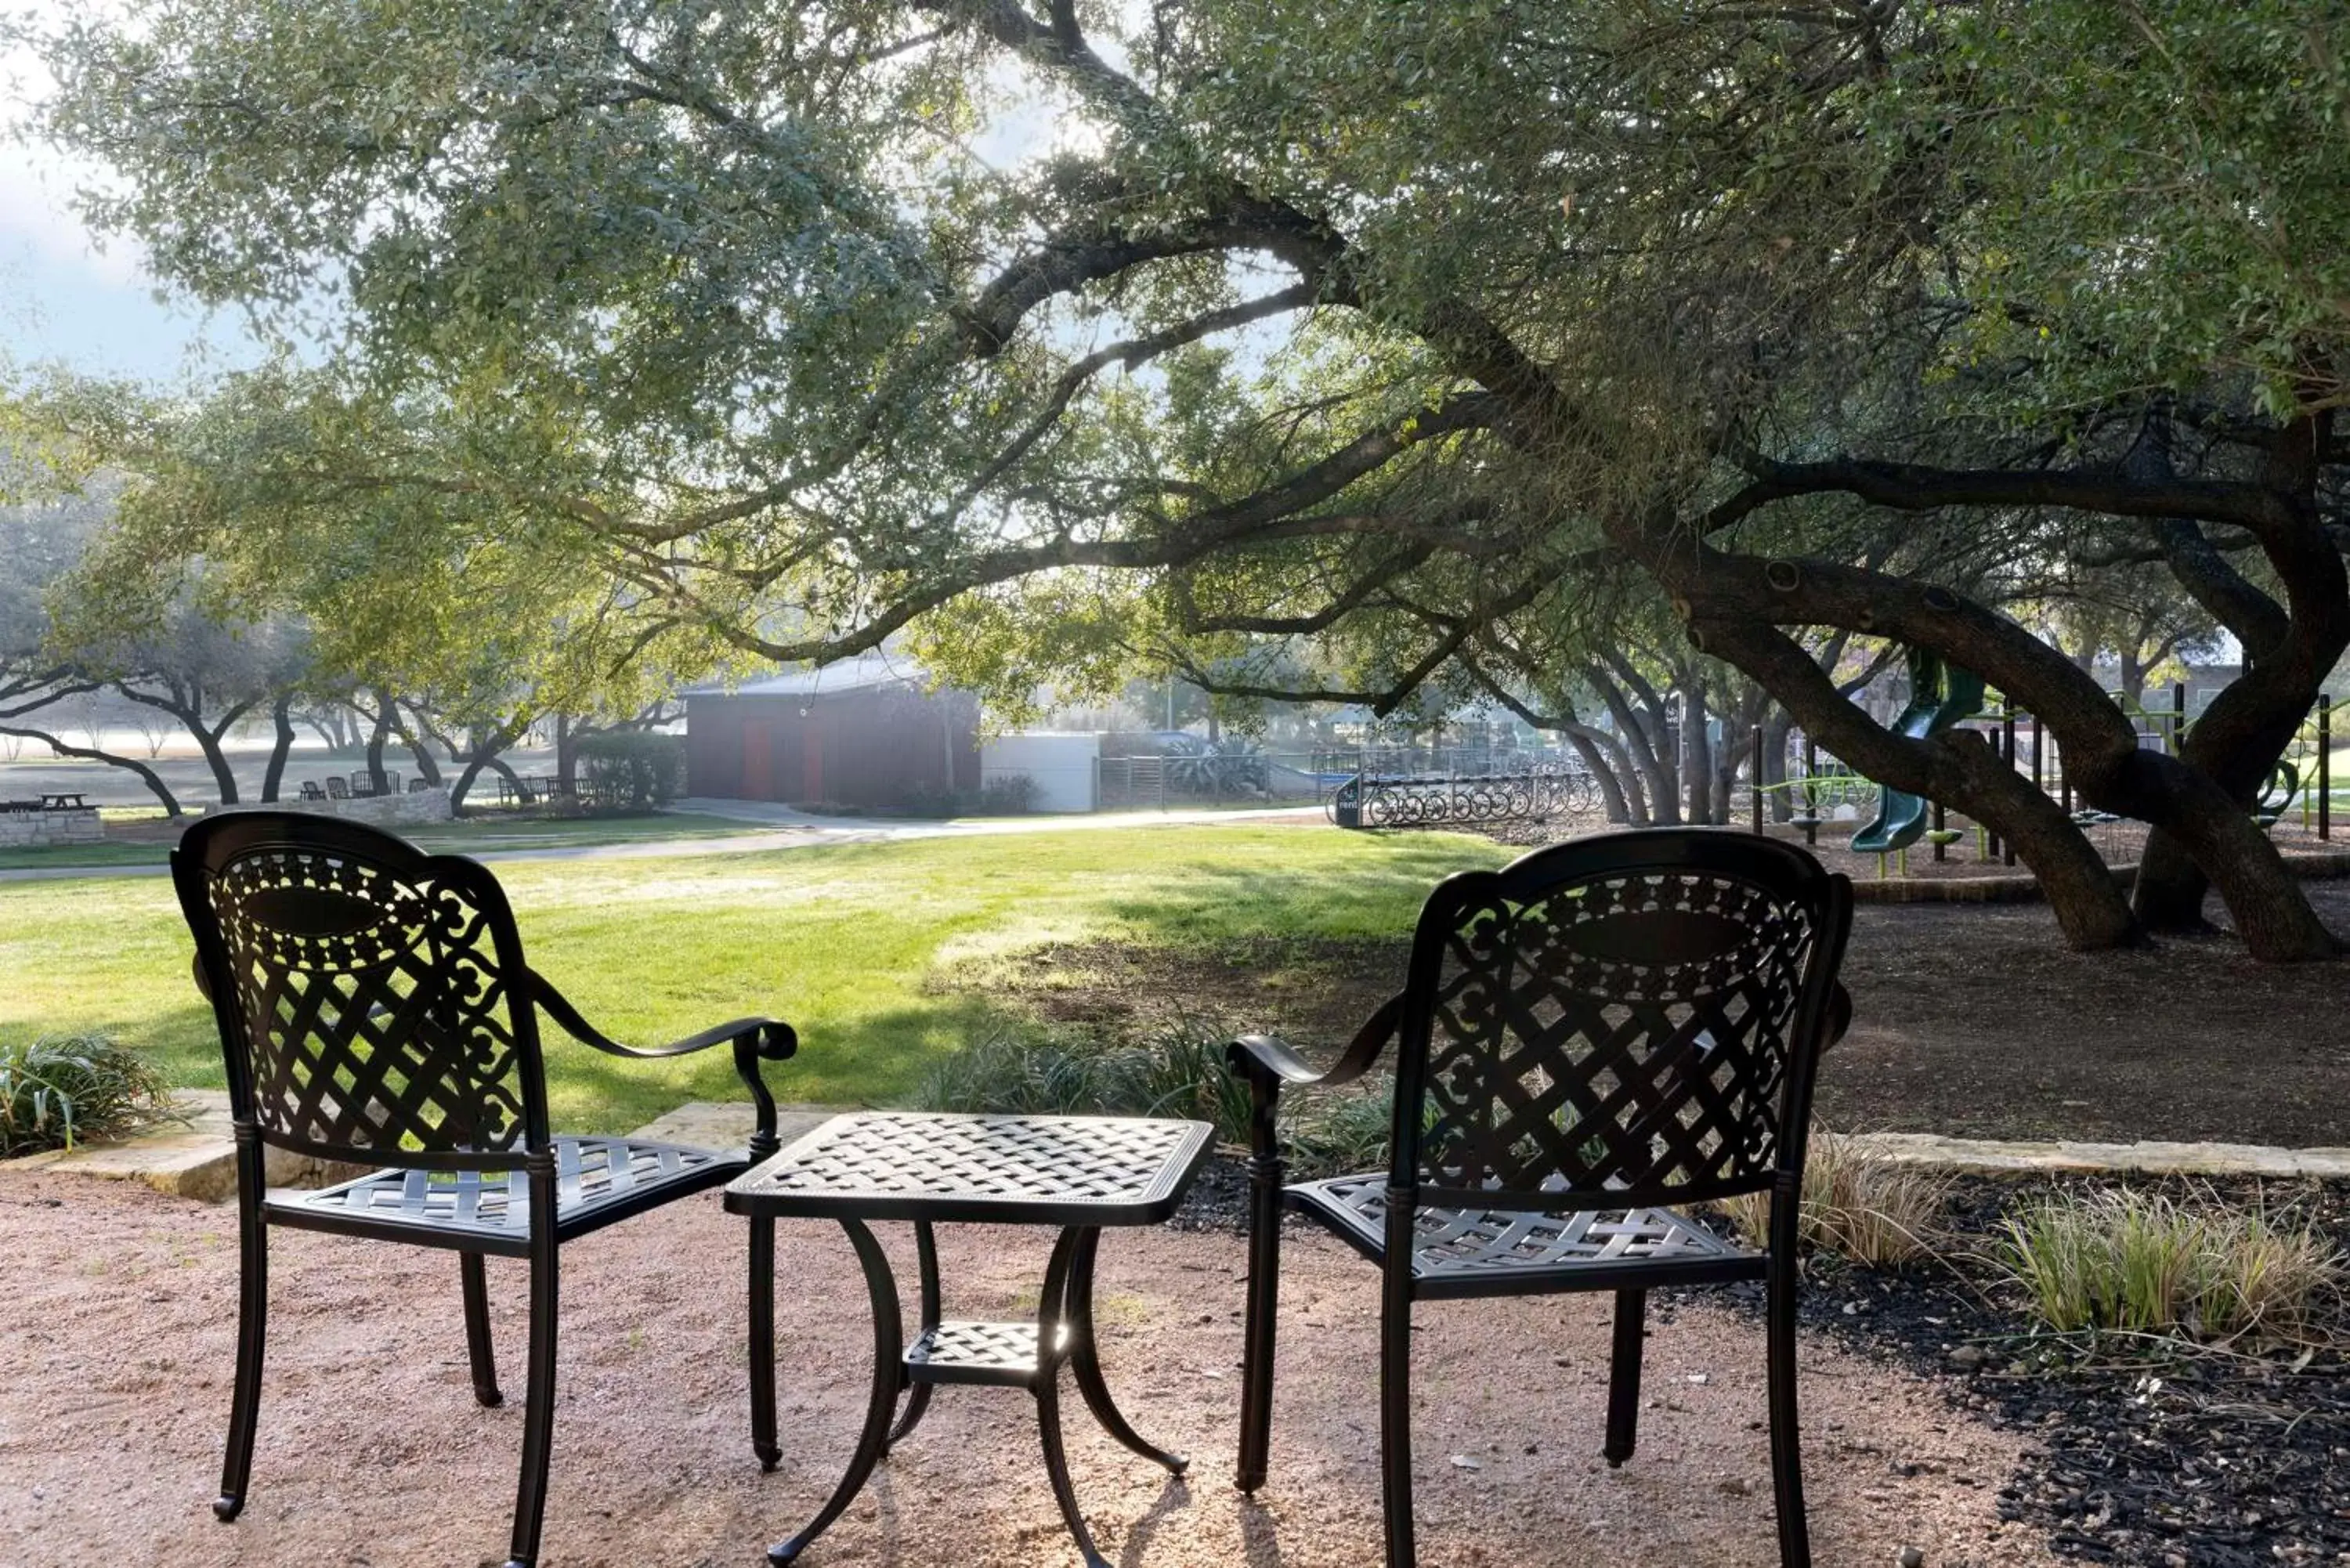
(1080,1173)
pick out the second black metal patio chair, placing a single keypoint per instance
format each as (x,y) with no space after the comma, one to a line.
(375,1010)
(1587,1038)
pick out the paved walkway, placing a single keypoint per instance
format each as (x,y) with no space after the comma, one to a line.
(795,830)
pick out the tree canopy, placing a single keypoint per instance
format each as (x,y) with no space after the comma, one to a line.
(1453,336)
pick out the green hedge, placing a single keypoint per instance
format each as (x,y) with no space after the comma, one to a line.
(632,769)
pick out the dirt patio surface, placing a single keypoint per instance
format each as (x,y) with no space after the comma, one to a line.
(119,1346)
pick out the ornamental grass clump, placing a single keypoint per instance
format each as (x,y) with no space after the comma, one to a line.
(1181,1072)
(2135,1262)
(57,1092)
(1855,1205)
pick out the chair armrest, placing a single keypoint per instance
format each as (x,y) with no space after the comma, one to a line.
(754,1040)
(1839,1015)
(1268,1064)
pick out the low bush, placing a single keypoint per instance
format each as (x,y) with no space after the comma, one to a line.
(632,770)
(1014,794)
(56,1092)
(2145,1263)
(1857,1206)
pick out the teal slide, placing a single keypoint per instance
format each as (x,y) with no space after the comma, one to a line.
(1939,697)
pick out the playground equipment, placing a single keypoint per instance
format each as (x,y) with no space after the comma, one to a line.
(1939,696)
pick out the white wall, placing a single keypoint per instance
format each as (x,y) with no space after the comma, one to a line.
(1062,765)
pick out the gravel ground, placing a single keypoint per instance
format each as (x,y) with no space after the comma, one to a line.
(372,1454)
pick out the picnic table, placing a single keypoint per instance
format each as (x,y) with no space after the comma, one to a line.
(62,801)
(1080,1173)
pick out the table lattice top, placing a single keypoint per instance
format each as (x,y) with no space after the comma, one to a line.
(1052,1170)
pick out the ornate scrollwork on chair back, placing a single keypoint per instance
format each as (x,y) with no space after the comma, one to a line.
(376,1006)
(1632,1031)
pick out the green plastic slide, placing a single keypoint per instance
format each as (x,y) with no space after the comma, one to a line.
(1939,697)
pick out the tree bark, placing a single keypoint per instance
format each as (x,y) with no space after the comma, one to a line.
(281,715)
(378,783)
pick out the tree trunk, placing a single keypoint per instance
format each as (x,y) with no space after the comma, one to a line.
(147,775)
(484,754)
(1957,767)
(1650,757)
(281,715)
(1777,733)
(567,753)
(1586,743)
(1697,753)
(377,783)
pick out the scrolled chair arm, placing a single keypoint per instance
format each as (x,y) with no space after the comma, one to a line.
(1839,1015)
(1268,1065)
(754,1040)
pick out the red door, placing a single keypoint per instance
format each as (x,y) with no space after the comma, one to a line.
(758,760)
(812,765)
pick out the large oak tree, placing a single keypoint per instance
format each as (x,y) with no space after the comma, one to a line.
(1045,331)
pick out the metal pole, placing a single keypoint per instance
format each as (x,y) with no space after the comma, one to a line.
(2039,734)
(2324,765)
(2178,716)
(1755,780)
(1941,826)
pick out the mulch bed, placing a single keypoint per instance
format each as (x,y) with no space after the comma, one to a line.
(1972,1020)
(2148,1453)
(2154,1454)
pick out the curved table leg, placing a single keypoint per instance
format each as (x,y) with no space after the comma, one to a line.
(1085,1361)
(1058,1330)
(917,1399)
(888,1374)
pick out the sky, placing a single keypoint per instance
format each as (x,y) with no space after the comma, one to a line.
(63,295)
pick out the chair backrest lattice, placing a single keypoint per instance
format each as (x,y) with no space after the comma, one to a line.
(371,1000)
(338,787)
(1631,1018)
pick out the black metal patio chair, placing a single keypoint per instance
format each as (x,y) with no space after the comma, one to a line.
(310,789)
(338,787)
(375,1009)
(1587,1037)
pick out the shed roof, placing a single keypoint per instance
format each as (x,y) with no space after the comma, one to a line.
(872,670)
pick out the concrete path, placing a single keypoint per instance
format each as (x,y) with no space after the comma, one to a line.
(795,830)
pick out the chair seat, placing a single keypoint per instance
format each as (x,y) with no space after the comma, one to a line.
(1473,1252)
(598,1182)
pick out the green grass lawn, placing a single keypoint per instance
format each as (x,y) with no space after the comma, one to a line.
(469,836)
(856,945)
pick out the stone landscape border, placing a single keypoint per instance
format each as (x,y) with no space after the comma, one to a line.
(197,1159)
(2315,866)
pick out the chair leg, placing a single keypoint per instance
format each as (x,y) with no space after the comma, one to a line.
(763,1342)
(245,1399)
(1786,1452)
(538,1410)
(1624,1377)
(477,1330)
(1263,1314)
(1395,1422)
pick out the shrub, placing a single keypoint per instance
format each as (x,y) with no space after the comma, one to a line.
(1014,794)
(1180,1074)
(1012,1075)
(931,801)
(1344,1131)
(634,770)
(56,1092)
(1865,1209)
(2144,1263)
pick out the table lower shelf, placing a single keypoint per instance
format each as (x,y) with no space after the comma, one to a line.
(997,1353)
